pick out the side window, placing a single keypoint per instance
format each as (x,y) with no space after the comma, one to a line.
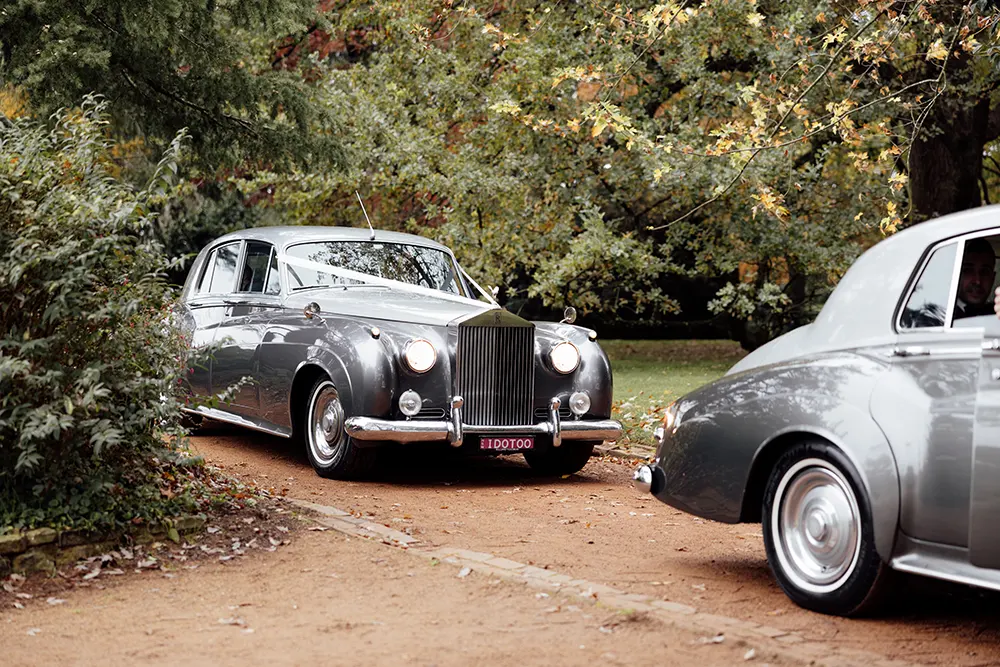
(221,273)
(927,305)
(256,268)
(206,274)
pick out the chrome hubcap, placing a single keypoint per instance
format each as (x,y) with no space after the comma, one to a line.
(816,526)
(326,425)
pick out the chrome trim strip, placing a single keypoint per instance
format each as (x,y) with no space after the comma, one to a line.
(236,420)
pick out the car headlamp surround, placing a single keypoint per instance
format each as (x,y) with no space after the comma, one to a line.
(420,355)
(565,357)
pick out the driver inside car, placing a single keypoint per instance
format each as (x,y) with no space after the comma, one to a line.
(976,280)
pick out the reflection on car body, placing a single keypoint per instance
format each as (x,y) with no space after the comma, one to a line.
(867,441)
(353,342)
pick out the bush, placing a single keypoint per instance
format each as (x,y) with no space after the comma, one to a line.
(89,367)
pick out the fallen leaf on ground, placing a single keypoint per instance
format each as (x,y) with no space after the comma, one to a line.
(750,655)
(464,572)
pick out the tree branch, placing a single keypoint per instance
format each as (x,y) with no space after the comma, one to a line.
(777,126)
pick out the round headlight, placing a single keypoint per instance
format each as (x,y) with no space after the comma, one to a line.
(410,403)
(565,357)
(420,355)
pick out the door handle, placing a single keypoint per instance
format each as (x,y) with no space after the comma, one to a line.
(910,351)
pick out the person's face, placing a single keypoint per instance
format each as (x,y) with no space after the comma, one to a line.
(976,281)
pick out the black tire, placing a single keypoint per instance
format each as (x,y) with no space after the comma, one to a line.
(812,484)
(566,459)
(336,455)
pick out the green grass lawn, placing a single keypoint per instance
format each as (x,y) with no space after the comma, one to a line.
(649,374)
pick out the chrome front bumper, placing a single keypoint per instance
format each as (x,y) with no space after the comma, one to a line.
(454,430)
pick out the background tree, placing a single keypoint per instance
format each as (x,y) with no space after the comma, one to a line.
(617,157)
(170,64)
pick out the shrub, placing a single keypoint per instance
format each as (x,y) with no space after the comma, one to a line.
(89,365)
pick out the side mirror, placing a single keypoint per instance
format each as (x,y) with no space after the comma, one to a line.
(569,315)
(311,310)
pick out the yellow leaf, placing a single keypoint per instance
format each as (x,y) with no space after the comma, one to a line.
(937,51)
(599,124)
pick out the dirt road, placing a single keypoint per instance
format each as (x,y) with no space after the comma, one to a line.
(331,599)
(595,526)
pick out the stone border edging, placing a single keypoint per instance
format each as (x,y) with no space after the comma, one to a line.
(788,645)
(636,454)
(46,549)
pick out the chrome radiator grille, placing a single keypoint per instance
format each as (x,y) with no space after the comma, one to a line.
(496,374)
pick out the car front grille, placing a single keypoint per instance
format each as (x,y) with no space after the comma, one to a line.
(495,373)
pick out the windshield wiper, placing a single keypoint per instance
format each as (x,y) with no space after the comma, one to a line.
(342,286)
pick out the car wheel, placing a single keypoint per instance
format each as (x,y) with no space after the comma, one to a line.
(331,451)
(817,525)
(566,459)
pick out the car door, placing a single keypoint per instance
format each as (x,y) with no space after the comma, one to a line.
(984,538)
(253,301)
(207,308)
(926,404)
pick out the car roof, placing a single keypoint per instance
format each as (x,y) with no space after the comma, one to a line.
(282,237)
(862,305)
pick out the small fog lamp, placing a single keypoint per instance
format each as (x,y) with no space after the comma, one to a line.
(565,357)
(579,403)
(420,355)
(410,403)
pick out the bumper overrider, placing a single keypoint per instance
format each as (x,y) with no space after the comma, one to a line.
(453,431)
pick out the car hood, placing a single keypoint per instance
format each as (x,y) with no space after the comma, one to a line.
(793,344)
(388,304)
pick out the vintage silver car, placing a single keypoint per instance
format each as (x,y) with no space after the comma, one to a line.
(347,339)
(869,440)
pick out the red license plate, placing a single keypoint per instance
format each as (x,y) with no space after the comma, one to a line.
(507,444)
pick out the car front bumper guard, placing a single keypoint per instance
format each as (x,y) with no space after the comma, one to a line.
(367,429)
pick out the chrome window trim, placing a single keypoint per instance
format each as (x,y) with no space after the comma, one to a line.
(897,324)
(243,259)
(210,265)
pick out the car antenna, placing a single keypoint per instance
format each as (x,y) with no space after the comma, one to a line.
(366,214)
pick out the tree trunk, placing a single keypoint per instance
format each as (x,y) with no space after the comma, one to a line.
(946,159)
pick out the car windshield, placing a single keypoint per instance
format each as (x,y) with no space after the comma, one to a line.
(335,263)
